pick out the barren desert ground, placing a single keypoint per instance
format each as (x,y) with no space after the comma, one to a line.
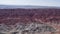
(30,21)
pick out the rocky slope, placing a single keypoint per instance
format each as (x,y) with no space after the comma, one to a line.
(9,18)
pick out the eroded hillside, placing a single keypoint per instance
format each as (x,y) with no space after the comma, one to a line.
(11,17)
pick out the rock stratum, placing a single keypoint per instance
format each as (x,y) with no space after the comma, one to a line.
(29,15)
(30,21)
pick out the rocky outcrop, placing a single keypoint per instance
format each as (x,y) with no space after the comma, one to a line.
(26,28)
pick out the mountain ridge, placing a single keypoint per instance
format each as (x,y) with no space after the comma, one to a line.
(25,6)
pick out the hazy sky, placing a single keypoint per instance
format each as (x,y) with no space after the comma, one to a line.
(31,2)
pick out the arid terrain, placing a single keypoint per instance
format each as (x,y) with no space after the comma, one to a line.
(30,21)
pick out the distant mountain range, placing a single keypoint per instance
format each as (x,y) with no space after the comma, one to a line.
(25,6)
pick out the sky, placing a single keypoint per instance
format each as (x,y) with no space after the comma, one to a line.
(31,2)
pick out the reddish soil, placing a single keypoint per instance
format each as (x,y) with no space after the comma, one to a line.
(13,16)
